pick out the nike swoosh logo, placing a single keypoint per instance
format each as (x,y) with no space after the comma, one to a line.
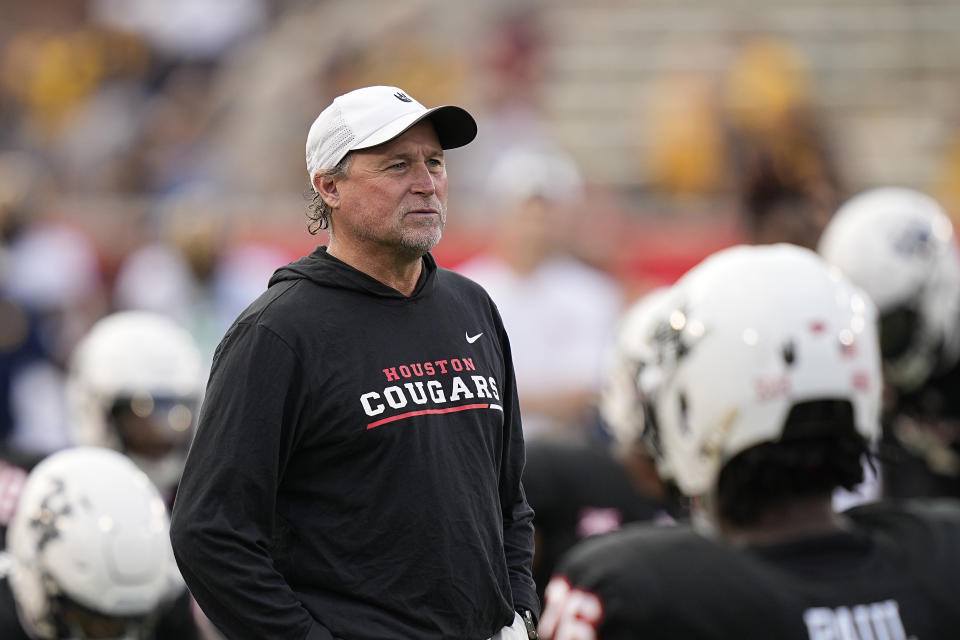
(472,339)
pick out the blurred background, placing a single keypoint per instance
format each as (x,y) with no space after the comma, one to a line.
(152,151)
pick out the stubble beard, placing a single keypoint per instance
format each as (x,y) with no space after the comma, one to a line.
(424,236)
(408,236)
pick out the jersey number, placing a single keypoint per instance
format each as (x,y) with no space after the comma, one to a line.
(569,613)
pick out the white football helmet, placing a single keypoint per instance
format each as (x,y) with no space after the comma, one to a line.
(899,246)
(89,548)
(133,385)
(754,330)
(631,374)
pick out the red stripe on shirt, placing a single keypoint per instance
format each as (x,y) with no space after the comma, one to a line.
(426,412)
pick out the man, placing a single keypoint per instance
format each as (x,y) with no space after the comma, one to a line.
(561,313)
(356,472)
(899,245)
(88,555)
(764,400)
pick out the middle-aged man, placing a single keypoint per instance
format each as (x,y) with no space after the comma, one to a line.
(357,467)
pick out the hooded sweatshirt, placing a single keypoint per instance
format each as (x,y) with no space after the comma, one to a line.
(356,471)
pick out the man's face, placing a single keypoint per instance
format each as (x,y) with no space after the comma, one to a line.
(395,194)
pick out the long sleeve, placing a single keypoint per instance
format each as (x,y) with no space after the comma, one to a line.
(517,514)
(223,517)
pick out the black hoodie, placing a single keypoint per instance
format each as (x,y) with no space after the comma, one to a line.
(356,470)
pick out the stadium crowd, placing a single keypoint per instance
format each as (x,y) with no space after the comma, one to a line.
(149,154)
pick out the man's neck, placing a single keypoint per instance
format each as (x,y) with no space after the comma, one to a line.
(400,272)
(522,260)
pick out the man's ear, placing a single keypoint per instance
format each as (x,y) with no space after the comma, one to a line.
(326,186)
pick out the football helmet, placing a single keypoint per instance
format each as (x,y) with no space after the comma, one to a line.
(751,332)
(899,246)
(133,385)
(631,374)
(89,548)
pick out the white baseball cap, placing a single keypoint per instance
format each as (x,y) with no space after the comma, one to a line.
(523,172)
(366,117)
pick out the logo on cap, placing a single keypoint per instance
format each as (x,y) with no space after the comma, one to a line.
(402,97)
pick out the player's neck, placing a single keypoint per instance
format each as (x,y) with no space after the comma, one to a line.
(642,471)
(795,519)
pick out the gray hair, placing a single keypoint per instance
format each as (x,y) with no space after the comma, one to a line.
(318,211)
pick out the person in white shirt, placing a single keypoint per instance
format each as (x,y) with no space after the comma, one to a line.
(561,313)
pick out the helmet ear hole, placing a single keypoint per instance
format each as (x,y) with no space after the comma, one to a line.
(651,432)
(683,413)
(789,353)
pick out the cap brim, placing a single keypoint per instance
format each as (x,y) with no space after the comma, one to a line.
(455,127)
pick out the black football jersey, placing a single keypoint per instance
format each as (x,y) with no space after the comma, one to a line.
(894,575)
(921,443)
(10,628)
(577,490)
(175,622)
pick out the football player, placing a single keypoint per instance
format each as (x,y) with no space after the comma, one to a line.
(899,246)
(88,555)
(134,385)
(765,397)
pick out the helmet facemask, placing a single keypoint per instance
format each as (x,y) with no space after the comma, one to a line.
(134,386)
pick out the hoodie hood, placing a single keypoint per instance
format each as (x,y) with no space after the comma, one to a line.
(327,271)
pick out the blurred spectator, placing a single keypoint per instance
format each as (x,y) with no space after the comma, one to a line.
(686,154)
(22,190)
(20,349)
(56,71)
(25,185)
(176,152)
(195,271)
(53,281)
(782,166)
(946,183)
(184,30)
(775,209)
(511,63)
(560,313)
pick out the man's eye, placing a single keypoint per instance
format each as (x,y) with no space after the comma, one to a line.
(397,165)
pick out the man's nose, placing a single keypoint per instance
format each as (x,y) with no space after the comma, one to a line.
(423,180)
